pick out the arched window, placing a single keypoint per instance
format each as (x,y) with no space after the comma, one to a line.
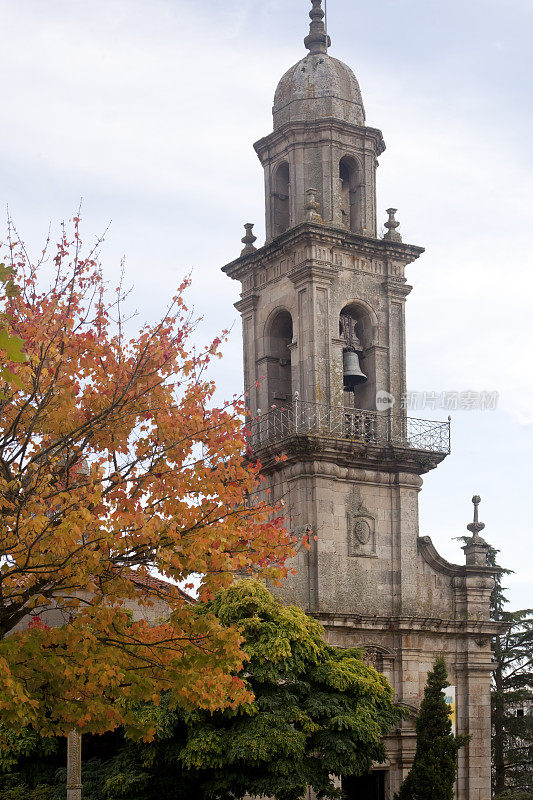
(350,194)
(279,361)
(281,196)
(356,329)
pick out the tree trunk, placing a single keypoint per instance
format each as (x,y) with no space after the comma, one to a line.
(74,766)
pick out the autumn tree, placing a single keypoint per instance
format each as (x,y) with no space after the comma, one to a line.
(115,462)
(317,711)
(10,346)
(434,769)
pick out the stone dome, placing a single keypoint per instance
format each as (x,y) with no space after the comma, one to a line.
(315,88)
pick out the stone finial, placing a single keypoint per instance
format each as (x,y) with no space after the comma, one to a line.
(392,223)
(248,239)
(312,206)
(476,526)
(317,41)
(476,549)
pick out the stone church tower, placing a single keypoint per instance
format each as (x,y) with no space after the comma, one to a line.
(323,315)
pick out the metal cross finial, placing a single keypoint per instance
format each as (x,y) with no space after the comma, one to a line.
(476,526)
(318,40)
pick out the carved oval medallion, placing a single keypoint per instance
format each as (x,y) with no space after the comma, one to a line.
(362,531)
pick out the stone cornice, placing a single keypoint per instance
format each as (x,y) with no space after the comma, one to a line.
(382,348)
(300,130)
(429,553)
(397,287)
(316,271)
(268,360)
(247,304)
(345,453)
(308,233)
(352,473)
(409,624)
(427,550)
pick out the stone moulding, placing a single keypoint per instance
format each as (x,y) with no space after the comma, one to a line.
(409,624)
(308,233)
(347,453)
(427,550)
(336,131)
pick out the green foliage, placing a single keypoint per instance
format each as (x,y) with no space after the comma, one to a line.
(512,795)
(24,792)
(19,744)
(29,766)
(512,689)
(111,770)
(434,770)
(123,776)
(318,711)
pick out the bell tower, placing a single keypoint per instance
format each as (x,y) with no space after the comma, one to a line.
(323,316)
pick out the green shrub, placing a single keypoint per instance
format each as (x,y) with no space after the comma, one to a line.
(509,794)
(23,792)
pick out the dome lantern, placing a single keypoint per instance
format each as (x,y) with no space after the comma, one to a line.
(320,140)
(318,86)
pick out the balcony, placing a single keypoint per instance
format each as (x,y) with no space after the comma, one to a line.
(301,418)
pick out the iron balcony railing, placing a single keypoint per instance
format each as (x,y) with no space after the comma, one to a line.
(301,418)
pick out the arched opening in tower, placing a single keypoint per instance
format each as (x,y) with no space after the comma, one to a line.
(350,194)
(358,360)
(279,360)
(281,199)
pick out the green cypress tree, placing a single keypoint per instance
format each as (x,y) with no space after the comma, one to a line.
(435,765)
(512,690)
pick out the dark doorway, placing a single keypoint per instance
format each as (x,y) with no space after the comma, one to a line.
(365,787)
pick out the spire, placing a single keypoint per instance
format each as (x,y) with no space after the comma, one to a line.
(318,41)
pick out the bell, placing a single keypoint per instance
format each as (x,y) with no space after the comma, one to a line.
(352,374)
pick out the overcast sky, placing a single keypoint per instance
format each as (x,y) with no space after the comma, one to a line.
(148,109)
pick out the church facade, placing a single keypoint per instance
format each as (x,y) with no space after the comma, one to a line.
(323,318)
